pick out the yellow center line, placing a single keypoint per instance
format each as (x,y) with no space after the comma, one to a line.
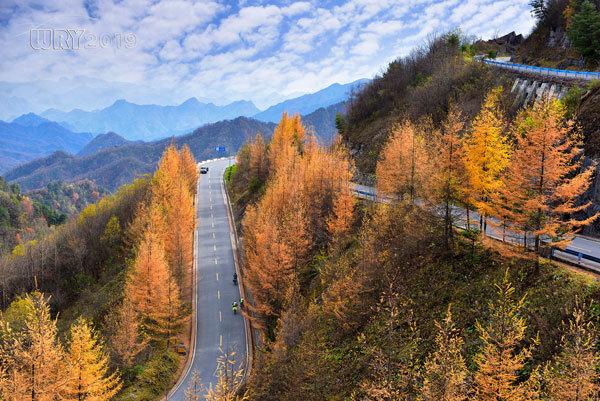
(213,225)
(218,294)
(216,261)
(215,247)
(213,235)
(211,216)
(217,276)
(210,207)
(220,341)
(220,316)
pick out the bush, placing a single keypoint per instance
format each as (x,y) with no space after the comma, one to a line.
(572,99)
(492,54)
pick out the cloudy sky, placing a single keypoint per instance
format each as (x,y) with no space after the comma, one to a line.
(227,50)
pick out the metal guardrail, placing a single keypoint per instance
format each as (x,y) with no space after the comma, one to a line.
(579,255)
(587,75)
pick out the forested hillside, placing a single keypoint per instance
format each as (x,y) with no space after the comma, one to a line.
(69,199)
(382,301)
(97,307)
(24,218)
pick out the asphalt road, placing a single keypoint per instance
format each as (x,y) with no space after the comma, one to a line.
(580,244)
(216,325)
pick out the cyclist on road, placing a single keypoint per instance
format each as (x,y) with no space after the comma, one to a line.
(234,278)
(241,302)
(234,307)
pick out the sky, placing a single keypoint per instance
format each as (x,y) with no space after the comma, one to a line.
(165,51)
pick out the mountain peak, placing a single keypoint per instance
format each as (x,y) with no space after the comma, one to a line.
(191,101)
(30,120)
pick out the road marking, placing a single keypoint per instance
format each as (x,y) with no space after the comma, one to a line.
(214,247)
(218,294)
(216,261)
(211,216)
(213,225)
(210,199)
(217,276)
(220,316)
(210,207)
(213,235)
(220,340)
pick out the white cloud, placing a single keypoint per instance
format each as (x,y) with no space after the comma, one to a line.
(250,50)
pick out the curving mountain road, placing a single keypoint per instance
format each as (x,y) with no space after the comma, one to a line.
(216,325)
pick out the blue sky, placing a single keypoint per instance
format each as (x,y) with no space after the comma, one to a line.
(227,50)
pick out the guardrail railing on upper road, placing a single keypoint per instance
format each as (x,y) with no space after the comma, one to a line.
(552,72)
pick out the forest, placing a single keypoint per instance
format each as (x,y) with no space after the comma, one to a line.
(94,310)
(389,300)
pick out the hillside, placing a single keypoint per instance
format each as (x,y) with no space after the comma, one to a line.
(103,141)
(110,168)
(23,218)
(118,161)
(30,136)
(69,199)
(423,84)
(361,300)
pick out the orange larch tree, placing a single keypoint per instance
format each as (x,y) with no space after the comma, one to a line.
(486,155)
(401,168)
(447,169)
(151,287)
(188,168)
(88,365)
(545,178)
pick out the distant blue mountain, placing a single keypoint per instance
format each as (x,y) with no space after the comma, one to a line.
(150,122)
(30,120)
(306,104)
(31,136)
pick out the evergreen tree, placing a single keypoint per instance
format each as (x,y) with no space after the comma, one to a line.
(584,31)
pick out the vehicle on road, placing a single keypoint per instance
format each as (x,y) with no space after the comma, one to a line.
(203,170)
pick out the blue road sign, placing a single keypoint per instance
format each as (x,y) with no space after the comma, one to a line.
(219,148)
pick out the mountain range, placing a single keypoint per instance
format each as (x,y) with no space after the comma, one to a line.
(117,161)
(152,122)
(31,136)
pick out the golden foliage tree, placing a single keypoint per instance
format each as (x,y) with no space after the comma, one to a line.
(127,341)
(287,142)
(188,168)
(152,288)
(573,375)
(173,198)
(500,358)
(33,365)
(545,178)
(402,166)
(448,178)
(445,369)
(258,163)
(88,366)
(486,155)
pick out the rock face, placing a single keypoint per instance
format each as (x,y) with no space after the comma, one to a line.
(588,118)
(557,39)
